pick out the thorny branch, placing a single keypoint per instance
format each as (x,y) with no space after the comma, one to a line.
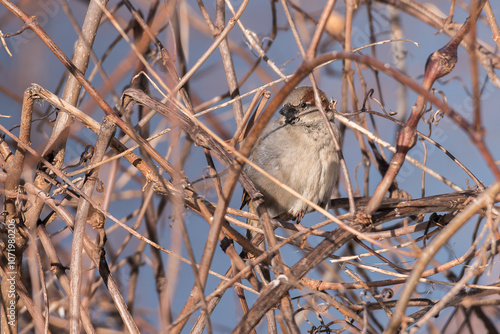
(357,267)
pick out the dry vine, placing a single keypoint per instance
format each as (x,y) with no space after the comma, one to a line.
(127,199)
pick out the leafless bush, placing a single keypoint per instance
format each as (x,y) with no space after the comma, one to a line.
(114,224)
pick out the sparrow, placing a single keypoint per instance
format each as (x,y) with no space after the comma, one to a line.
(298,150)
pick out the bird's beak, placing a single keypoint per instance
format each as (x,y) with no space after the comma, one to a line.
(289,112)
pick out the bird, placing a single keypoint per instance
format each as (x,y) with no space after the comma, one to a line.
(298,150)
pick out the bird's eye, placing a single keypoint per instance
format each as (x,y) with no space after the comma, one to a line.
(303,105)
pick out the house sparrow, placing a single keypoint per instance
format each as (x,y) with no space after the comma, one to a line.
(298,150)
